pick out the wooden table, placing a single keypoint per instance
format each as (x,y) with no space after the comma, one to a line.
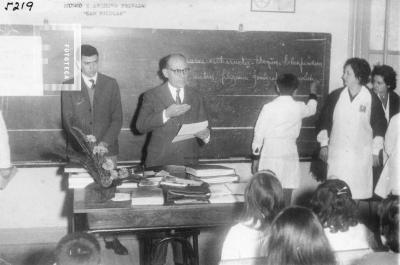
(120,217)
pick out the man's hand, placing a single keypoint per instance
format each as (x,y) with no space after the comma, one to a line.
(101,148)
(176,110)
(375,159)
(323,153)
(203,135)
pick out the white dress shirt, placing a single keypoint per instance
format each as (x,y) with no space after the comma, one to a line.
(173,90)
(87,79)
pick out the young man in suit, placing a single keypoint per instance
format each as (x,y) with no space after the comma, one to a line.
(165,108)
(97,110)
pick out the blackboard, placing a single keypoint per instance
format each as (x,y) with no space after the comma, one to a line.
(235,71)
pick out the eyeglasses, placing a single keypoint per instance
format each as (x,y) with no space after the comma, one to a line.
(180,71)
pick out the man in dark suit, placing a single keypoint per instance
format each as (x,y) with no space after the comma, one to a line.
(165,108)
(97,110)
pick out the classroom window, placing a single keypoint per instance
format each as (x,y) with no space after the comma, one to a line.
(384,30)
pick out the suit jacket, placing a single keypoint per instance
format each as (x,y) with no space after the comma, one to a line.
(104,120)
(161,151)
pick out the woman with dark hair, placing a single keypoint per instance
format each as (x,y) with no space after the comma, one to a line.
(384,83)
(333,204)
(263,201)
(351,129)
(388,212)
(297,238)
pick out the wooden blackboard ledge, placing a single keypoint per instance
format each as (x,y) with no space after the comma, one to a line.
(31,164)
(242,160)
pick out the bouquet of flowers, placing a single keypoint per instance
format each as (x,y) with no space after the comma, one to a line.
(100,167)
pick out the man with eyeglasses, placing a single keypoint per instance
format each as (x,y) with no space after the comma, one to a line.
(165,108)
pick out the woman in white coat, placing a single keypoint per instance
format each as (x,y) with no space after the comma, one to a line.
(351,128)
(389,181)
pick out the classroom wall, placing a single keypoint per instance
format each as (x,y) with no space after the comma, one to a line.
(310,16)
(34,198)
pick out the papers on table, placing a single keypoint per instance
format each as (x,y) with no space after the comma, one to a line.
(188,131)
(147,196)
(121,197)
(221,193)
(81,180)
(237,188)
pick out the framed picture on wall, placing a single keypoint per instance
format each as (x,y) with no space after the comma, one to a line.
(285,6)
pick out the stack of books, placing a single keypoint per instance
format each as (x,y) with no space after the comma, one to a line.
(212,174)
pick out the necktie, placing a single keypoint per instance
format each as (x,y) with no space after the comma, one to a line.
(93,84)
(178,98)
(91,91)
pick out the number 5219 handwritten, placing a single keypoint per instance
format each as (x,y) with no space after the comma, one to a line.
(13,6)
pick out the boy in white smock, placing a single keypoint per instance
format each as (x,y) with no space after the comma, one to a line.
(277,128)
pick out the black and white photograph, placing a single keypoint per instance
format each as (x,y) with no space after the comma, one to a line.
(188,132)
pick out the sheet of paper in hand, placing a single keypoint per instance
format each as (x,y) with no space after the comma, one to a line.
(188,131)
(41,57)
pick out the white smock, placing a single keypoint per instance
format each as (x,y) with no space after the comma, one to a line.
(389,180)
(351,143)
(275,133)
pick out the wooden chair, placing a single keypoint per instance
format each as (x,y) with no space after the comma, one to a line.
(155,245)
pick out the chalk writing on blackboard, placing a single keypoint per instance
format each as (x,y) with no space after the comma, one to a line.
(259,60)
(250,69)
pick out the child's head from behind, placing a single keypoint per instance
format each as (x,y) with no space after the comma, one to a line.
(287,84)
(388,212)
(78,249)
(263,198)
(297,237)
(333,204)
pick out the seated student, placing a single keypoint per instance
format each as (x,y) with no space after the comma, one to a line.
(297,238)
(7,171)
(78,249)
(333,204)
(277,128)
(388,212)
(263,201)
